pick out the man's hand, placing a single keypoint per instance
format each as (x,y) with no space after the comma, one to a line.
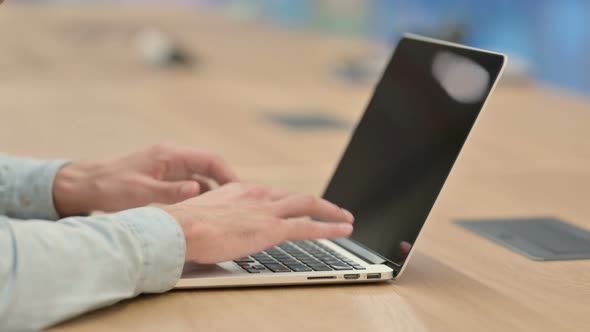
(241,219)
(164,173)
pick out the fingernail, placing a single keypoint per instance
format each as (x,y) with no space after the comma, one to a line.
(348,215)
(346,228)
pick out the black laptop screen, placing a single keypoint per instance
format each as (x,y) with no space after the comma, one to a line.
(407,141)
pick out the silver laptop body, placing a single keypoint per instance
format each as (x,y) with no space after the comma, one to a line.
(390,175)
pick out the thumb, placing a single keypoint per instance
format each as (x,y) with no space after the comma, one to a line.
(174,192)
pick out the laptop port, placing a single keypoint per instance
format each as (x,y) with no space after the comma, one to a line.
(351,276)
(321,277)
(374,276)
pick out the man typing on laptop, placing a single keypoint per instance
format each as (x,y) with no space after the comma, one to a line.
(51,271)
(390,175)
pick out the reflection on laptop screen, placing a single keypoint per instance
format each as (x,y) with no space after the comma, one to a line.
(405,145)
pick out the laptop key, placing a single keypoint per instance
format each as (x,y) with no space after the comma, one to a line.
(325,268)
(277,267)
(267,260)
(288,260)
(318,263)
(341,267)
(281,257)
(320,267)
(290,263)
(299,267)
(258,267)
(313,263)
(302,255)
(244,260)
(309,261)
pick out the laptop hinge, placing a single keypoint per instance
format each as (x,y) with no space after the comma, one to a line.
(366,254)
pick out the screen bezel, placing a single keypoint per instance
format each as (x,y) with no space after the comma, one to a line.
(364,251)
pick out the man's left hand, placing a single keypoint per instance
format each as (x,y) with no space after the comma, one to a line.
(164,173)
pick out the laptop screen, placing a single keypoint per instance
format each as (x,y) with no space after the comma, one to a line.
(408,139)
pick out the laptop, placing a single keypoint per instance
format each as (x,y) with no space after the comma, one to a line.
(389,176)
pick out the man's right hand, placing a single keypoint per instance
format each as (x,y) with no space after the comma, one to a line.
(238,219)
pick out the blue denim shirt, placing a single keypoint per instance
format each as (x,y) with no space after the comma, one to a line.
(53,270)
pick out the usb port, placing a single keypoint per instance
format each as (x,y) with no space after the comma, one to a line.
(352,276)
(374,276)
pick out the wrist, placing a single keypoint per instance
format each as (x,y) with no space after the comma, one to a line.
(190,230)
(73,191)
(178,214)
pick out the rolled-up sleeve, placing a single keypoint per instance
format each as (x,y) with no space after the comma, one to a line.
(51,271)
(26,187)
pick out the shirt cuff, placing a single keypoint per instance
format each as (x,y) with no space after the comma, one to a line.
(163,246)
(26,187)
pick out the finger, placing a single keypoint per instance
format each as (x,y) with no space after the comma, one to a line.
(311,206)
(404,248)
(298,230)
(258,192)
(174,192)
(207,164)
(204,183)
(276,195)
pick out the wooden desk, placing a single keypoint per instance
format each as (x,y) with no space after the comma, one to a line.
(73,83)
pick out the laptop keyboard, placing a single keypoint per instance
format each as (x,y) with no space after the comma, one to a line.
(298,256)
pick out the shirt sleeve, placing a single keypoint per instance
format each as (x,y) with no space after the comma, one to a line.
(52,271)
(26,187)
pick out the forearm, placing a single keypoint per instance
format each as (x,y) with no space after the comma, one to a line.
(26,187)
(53,271)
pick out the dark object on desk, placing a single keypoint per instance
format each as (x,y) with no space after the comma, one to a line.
(158,49)
(307,121)
(541,239)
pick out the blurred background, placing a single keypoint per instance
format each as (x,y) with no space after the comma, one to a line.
(547,40)
(273,85)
